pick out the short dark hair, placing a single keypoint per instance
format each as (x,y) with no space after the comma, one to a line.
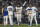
(10,4)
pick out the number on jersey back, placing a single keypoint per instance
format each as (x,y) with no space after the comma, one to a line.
(10,9)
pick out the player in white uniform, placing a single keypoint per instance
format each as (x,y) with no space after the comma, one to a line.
(19,12)
(28,11)
(33,15)
(10,14)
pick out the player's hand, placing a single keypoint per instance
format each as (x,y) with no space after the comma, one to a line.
(2,14)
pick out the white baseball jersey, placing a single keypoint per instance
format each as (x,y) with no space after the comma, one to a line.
(20,9)
(10,10)
(28,8)
(34,9)
(33,15)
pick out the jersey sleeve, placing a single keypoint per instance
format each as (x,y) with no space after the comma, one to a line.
(36,8)
(16,8)
(2,10)
(21,8)
(12,8)
(27,8)
(7,8)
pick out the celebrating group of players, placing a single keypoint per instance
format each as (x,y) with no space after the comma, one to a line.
(7,11)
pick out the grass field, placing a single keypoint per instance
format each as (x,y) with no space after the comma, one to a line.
(23,25)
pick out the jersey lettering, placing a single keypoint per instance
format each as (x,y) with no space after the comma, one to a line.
(10,9)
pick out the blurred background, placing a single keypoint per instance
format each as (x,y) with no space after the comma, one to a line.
(15,3)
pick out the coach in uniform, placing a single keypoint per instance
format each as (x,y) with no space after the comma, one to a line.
(5,15)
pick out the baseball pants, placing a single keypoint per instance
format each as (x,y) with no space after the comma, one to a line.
(5,19)
(18,18)
(33,16)
(11,19)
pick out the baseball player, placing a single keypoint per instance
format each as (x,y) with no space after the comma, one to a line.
(10,14)
(19,12)
(28,11)
(5,15)
(33,15)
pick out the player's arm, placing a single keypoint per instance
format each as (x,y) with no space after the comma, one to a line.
(24,4)
(13,8)
(16,9)
(2,11)
(7,8)
(26,10)
(36,9)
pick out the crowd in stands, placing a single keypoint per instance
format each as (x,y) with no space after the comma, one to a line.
(8,2)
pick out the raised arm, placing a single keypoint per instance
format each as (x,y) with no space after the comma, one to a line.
(2,11)
(24,4)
